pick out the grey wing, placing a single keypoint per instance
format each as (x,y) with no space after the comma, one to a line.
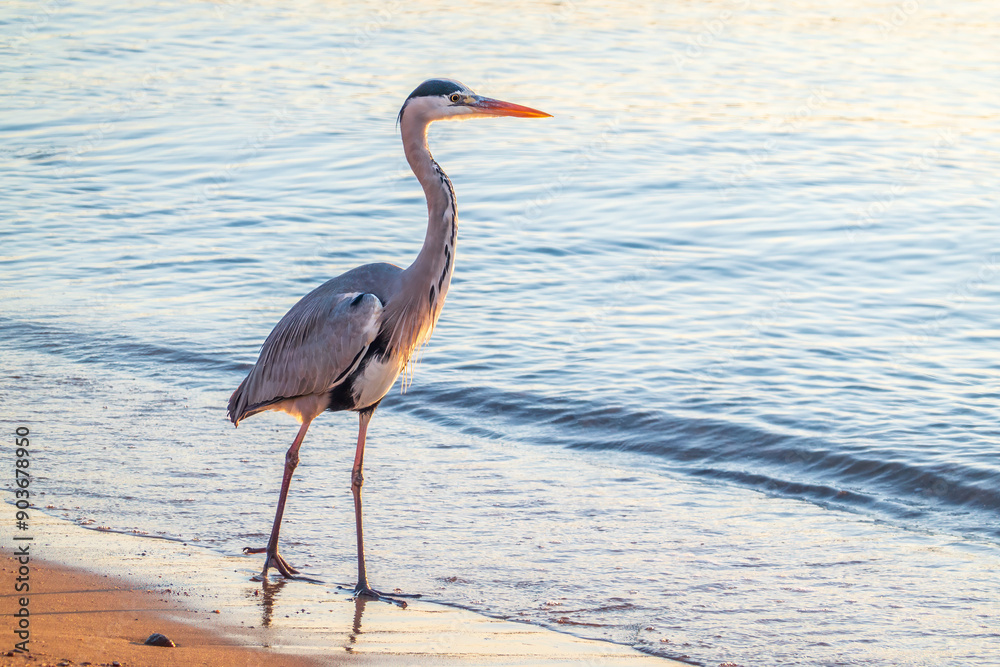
(312,349)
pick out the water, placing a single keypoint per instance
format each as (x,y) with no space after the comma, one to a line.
(718,359)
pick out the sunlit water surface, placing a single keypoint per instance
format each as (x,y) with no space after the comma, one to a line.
(717,376)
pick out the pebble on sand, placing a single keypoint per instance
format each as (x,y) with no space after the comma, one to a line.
(156,639)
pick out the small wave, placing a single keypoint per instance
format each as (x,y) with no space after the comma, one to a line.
(108,349)
(945,496)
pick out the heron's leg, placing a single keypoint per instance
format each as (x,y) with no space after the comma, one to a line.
(273,557)
(357,481)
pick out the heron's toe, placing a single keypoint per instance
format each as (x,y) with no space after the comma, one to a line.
(369,593)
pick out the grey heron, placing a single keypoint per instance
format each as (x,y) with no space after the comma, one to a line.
(342,346)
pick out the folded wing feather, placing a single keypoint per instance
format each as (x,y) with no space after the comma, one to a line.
(313,348)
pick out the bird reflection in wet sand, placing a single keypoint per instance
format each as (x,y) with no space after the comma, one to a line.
(266,596)
(342,346)
(359,611)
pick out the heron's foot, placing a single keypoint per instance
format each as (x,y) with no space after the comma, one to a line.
(273,559)
(367,592)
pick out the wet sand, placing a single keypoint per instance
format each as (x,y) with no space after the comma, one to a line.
(208,606)
(79,617)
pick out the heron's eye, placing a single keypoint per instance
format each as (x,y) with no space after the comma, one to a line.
(455,97)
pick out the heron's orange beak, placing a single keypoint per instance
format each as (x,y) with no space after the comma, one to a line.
(498,108)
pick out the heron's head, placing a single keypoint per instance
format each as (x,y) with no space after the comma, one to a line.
(445,99)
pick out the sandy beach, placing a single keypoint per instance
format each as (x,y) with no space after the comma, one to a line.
(80,618)
(96,596)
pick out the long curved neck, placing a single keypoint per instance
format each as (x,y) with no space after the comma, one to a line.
(438,252)
(412,312)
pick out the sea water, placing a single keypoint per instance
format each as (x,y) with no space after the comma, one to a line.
(717,375)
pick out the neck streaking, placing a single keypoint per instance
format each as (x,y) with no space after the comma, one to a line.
(412,313)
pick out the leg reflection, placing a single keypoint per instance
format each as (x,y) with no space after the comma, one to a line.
(359,611)
(268,595)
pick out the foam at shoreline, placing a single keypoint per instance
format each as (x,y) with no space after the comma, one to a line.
(304,619)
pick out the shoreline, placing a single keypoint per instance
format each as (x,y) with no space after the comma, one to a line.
(96,596)
(78,617)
